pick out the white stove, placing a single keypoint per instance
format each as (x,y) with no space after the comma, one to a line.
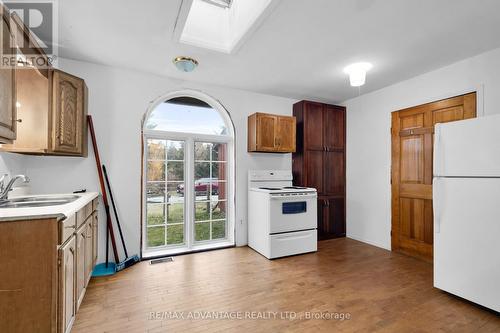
(282,218)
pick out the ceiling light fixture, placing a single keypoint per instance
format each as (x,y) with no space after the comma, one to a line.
(185,64)
(357,73)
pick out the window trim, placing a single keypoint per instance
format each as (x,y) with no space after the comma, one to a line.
(189,139)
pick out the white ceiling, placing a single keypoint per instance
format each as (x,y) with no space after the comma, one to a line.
(300,49)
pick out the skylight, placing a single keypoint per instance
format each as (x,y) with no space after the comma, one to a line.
(220,25)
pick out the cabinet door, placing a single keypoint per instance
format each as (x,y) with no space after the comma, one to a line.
(8,91)
(80,264)
(334,135)
(266,132)
(334,174)
(67,263)
(88,250)
(286,134)
(68,113)
(313,126)
(314,170)
(332,223)
(95,224)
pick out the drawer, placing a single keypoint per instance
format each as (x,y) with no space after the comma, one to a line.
(291,243)
(83,214)
(66,228)
(95,203)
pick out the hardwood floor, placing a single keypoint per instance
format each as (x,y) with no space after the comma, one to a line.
(380,290)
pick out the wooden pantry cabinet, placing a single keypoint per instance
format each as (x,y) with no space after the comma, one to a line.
(270,133)
(319,162)
(46,267)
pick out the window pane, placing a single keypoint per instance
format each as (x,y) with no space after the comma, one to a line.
(175,234)
(218,229)
(155,214)
(202,231)
(175,171)
(175,150)
(156,149)
(175,213)
(156,171)
(155,192)
(219,170)
(202,171)
(218,209)
(188,115)
(156,236)
(219,152)
(175,192)
(202,151)
(202,211)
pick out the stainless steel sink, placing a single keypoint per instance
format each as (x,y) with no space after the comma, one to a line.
(27,202)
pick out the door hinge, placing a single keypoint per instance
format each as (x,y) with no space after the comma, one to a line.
(59,262)
(391,233)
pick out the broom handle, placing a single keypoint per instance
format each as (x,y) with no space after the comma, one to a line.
(103,189)
(114,209)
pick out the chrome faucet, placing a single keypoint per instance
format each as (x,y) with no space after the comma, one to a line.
(4,194)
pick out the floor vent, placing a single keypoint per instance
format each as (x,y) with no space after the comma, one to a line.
(161,260)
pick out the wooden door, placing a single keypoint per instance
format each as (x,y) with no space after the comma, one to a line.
(313,126)
(314,170)
(68,113)
(88,249)
(412,149)
(266,132)
(67,309)
(95,224)
(331,219)
(334,173)
(334,136)
(80,264)
(286,134)
(8,88)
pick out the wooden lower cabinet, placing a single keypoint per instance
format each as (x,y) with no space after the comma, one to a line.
(331,219)
(46,266)
(80,264)
(67,261)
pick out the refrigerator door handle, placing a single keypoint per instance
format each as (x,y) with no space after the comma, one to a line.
(437,150)
(436,204)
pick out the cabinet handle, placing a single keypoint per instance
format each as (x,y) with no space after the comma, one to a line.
(19,120)
(70,227)
(71,250)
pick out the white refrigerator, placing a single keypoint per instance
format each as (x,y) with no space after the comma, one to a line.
(466,201)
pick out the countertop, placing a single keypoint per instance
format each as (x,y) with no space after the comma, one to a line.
(59,211)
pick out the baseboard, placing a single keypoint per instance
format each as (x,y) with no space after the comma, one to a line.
(388,248)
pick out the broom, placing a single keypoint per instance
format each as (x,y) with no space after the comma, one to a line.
(129,261)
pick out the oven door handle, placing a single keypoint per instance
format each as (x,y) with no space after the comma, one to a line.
(294,197)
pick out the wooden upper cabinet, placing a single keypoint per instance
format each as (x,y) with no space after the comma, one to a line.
(314,126)
(68,114)
(7,85)
(271,133)
(52,114)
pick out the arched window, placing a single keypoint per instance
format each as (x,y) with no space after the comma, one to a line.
(188,175)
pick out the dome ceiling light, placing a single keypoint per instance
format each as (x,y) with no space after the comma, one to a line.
(357,73)
(185,64)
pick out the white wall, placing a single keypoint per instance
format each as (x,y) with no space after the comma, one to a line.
(369,138)
(117,101)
